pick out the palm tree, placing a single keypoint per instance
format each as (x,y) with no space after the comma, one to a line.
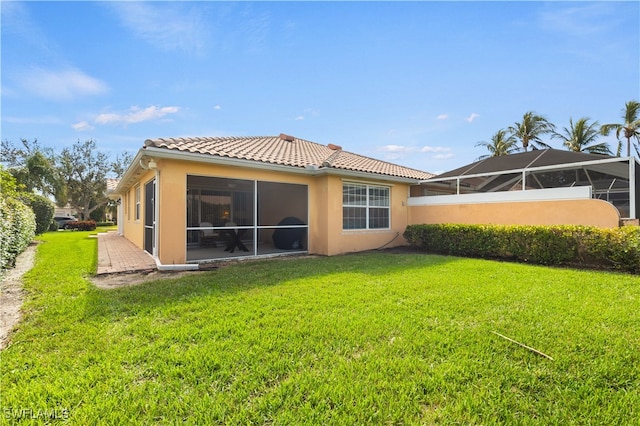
(630,128)
(502,143)
(530,130)
(579,137)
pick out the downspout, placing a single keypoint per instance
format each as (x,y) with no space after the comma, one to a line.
(632,189)
(176,267)
(156,208)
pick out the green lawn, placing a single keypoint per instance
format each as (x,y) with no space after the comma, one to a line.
(374,338)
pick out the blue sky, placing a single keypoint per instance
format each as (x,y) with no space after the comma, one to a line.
(415,83)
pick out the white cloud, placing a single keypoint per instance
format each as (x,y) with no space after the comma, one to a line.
(62,85)
(442,117)
(136,115)
(435,149)
(82,126)
(472,117)
(397,148)
(578,20)
(299,118)
(168,26)
(217,107)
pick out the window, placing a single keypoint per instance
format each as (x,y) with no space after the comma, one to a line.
(365,206)
(137,202)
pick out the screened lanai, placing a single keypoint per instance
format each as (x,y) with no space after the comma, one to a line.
(230,218)
(612,179)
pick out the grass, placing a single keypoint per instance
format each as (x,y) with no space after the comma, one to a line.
(373,338)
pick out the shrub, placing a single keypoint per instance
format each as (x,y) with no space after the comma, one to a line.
(82,225)
(43,208)
(581,246)
(17,229)
(105,223)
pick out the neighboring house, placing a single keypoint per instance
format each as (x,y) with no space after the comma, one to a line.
(65,211)
(540,187)
(192,200)
(112,184)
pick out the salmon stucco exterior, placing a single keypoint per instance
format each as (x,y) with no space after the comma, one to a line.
(194,200)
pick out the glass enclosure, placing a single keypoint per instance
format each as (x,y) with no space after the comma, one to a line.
(229,218)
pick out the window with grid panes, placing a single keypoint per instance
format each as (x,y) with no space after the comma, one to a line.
(138,202)
(365,206)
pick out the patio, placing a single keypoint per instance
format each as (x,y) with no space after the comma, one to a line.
(117,255)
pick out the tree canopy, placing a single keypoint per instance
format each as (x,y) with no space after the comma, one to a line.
(502,143)
(581,136)
(529,130)
(630,128)
(77,175)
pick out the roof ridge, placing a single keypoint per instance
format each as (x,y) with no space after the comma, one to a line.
(275,149)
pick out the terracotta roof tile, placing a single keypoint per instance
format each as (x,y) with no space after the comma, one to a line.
(285,150)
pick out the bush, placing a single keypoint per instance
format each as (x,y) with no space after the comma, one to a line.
(17,229)
(82,225)
(105,223)
(581,246)
(43,208)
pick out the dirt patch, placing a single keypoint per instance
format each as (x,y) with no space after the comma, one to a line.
(113,281)
(12,294)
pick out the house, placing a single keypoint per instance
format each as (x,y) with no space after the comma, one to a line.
(539,187)
(191,200)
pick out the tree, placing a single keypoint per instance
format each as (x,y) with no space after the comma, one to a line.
(630,128)
(502,143)
(581,137)
(33,167)
(83,170)
(122,161)
(530,129)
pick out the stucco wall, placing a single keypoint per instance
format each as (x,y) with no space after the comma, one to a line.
(133,229)
(347,241)
(558,212)
(326,236)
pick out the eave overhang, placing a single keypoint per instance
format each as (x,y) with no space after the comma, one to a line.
(144,155)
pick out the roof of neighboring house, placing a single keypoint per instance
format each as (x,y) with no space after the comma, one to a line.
(112,184)
(523,160)
(287,151)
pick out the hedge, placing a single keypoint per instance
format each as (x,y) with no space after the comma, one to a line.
(577,246)
(17,229)
(82,225)
(43,208)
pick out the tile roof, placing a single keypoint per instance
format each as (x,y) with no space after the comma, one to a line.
(285,150)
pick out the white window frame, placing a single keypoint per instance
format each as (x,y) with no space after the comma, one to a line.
(368,205)
(137,192)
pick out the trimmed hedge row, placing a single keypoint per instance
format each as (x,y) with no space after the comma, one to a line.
(43,208)
(82,225)
(577,246)
(17,229)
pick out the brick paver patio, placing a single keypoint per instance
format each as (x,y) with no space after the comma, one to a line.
(116,254)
